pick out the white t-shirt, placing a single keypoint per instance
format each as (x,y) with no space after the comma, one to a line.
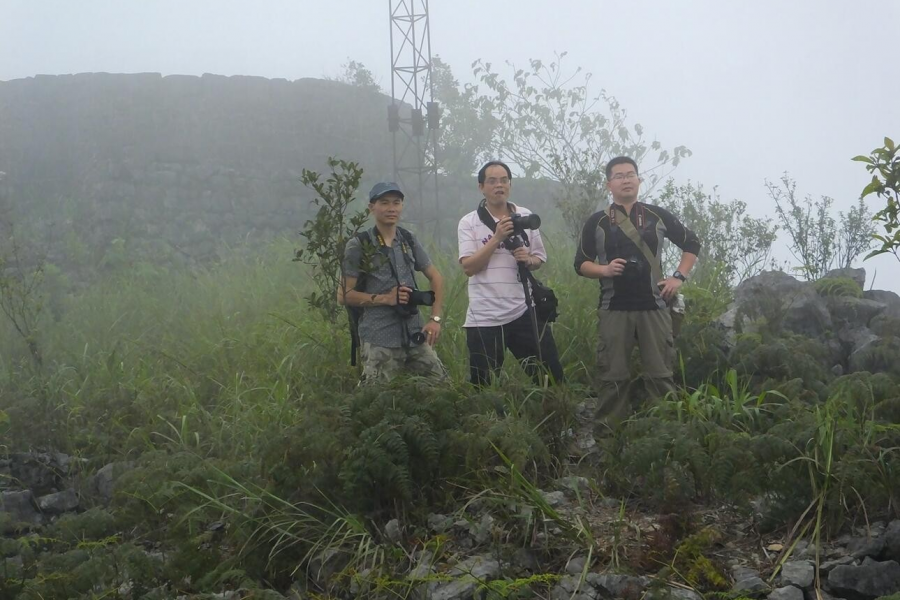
(496,296)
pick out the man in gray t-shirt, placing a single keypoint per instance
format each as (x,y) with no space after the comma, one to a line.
(393,339)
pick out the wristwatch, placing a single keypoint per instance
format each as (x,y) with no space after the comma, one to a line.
(679,275)
(436,319)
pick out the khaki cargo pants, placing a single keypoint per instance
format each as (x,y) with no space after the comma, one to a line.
(384,364)
(617,333)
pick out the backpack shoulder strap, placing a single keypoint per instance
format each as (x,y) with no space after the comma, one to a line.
(364,239)
(408,242)
(407,236)
(355,312)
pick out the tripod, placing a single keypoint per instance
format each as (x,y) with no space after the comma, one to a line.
(524,274)
(525,277)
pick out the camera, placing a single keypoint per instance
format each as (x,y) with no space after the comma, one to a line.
(417,298)
(520,223)
(523,222)
(421,298)
(633,268)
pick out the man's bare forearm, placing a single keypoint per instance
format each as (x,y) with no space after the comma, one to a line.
(479,261)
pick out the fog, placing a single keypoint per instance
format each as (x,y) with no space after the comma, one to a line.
(754,89)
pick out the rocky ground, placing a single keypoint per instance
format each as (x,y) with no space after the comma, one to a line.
(482,551)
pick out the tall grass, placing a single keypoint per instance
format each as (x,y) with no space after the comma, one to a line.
(229,350)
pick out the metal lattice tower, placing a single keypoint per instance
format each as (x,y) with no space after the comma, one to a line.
(414,116)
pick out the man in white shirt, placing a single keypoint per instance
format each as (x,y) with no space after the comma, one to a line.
(498,316)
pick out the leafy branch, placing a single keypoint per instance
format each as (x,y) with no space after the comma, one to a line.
(884,165)
(328,233)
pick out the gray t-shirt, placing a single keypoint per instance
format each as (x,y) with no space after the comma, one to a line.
(381,325)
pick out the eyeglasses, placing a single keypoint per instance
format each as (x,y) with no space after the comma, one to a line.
(621,176)
(495,181)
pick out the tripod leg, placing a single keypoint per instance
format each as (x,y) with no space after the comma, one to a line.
(529,301)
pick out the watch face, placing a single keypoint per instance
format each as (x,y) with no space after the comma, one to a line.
(436,319)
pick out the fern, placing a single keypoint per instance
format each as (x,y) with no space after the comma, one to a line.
(838,287)
(378,467)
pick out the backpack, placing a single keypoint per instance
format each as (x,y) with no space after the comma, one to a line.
(354,313)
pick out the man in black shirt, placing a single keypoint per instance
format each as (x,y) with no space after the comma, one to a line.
(621,247)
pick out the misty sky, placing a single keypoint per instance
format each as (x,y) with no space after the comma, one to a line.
(752,88)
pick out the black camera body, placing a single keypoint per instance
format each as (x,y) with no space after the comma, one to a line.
(633,268)
(521,223)
(417,298)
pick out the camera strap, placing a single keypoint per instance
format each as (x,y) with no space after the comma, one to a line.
(485,215)
(405,249)
(629,230)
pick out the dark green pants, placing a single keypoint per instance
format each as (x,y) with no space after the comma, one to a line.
(617,332)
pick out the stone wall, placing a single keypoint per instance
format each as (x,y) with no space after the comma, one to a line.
(186,159)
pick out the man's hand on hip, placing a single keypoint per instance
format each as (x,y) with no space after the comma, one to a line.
(669,287)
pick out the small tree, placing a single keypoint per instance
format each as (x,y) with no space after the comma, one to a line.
(735,246)
(547,121)
(815,240)
(884,164)
(328,233)
(357,74)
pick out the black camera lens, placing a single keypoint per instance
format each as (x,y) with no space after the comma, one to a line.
(417,298)
(523,222)
(421,298)
(417,338)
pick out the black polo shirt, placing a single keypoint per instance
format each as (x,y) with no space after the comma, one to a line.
(602,241)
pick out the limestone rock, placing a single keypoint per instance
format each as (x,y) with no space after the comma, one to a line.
(788,592)
(103,482)
(58,503)
(799,573)
(753,586)
(20,506)
(871,579)
(467,575)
